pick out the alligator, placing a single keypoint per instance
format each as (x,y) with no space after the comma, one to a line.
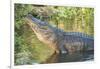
(59,40)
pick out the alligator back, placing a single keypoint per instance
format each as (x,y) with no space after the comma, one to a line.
(81,42)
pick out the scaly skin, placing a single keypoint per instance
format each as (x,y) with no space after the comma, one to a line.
(58,40)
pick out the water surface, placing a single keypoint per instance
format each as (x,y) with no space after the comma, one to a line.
(75,57)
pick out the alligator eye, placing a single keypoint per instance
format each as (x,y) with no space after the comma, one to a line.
(45,27)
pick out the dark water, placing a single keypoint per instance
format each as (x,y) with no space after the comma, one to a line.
(75,57)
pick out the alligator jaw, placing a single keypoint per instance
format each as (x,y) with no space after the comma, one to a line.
(34,20)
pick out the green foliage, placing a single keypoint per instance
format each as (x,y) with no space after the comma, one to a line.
(28,49)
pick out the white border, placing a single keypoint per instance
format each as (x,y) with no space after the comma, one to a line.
(12,35)
(74,3)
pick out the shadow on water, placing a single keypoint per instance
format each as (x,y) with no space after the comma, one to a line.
(75,57)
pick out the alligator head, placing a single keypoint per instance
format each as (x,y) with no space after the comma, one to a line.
(43,30)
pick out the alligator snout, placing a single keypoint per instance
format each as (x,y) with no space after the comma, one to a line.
(35,20)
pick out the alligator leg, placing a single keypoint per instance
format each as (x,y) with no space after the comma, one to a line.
(63,50)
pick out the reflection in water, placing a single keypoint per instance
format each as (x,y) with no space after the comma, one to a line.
(59,58)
